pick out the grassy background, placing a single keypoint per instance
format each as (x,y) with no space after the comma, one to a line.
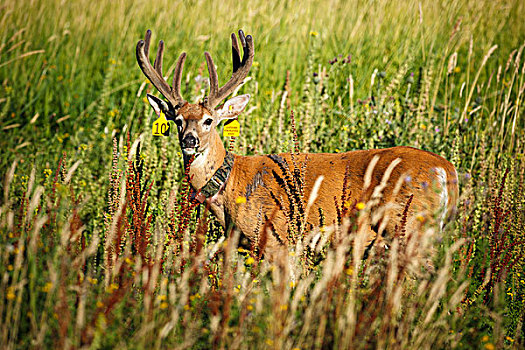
(446,77)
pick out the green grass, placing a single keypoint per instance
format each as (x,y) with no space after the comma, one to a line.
(445,77)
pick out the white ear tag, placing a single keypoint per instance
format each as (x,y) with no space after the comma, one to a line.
(161,126)
(231,128)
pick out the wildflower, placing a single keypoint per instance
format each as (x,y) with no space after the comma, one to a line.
(423,126)
(420,218)
(457,70)
(10,294)
(240,200)
(10,267)
(163,305)
(249,307)
(250,261)
(100,304)
(485,338)
(490,346)
(424,185)
(408,178)
(345,128)
(255,64)
(360,206)
(466,120)
(292,284)
(284,307)
(349,271)
(47,287)
(47,172)
(389,122)
(436,129)
(92,280)
(313,33)
(509,339)
(112,287)
(186,307)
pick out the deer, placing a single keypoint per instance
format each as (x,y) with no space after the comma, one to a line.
(403,181)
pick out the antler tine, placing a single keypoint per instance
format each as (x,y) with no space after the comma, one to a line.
(240,70)
(236,54)
(158,60)
(177,77)
(214,80)
(154,73)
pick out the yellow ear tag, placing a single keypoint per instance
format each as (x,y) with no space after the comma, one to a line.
(232,128)
(161,126)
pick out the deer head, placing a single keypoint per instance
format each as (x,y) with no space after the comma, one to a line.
(196,122)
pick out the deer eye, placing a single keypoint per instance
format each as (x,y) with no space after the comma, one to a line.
(208,122)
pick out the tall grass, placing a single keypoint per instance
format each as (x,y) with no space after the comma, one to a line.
(100,245)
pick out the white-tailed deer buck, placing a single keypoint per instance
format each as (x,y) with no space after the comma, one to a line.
(419,183)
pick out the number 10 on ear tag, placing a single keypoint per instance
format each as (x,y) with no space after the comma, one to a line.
(161,126)
(232,128)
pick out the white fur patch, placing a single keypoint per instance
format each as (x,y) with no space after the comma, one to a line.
(201,159)
(443,199)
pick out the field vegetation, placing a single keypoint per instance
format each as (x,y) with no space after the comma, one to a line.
(100,246)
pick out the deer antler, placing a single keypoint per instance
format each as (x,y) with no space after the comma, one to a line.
(154,73)
(240,70)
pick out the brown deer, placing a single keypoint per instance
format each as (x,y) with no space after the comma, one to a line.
(250,191)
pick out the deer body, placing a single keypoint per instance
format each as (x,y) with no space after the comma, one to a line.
(419,184)
(432,184)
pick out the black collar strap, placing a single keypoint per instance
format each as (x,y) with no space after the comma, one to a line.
(217,181)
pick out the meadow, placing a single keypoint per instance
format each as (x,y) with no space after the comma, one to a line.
(100,246)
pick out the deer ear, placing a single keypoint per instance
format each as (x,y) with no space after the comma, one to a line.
(158,105)
(233,107)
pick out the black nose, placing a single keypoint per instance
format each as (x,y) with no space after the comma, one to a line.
(189,141)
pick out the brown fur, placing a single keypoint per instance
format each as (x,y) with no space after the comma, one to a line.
(253,177)
(417,164)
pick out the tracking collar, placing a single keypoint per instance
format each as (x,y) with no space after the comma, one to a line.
(217,181)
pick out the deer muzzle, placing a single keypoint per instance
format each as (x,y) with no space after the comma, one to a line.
(189,141)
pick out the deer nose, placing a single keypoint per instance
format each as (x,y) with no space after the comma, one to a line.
(189,141)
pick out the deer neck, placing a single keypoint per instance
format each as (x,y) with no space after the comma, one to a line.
(208,162)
